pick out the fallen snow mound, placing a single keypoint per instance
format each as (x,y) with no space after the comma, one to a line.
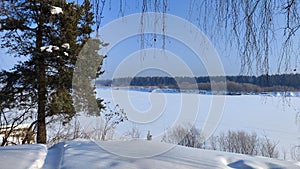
(125,154)
(30,156)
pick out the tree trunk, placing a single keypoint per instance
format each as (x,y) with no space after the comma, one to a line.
(41,80)
(41,124)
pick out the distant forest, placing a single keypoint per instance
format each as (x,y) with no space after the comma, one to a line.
(263,83)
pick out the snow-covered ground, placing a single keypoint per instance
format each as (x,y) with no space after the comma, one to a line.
(270,115)
(29,156)
(273,116)
(89,154)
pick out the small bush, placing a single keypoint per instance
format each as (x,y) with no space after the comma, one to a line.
(231,141)
(188,136)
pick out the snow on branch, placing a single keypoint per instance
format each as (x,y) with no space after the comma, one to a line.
(56,10)
(49,48)
(66,45)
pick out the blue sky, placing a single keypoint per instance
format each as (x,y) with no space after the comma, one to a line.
(133,44)
(229,57)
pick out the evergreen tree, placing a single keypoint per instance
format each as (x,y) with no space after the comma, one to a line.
(50,35)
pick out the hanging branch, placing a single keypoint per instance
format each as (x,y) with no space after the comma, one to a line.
(164,11)
(292,20)
(121,11)
(156,7)
(142,36)
(98,10)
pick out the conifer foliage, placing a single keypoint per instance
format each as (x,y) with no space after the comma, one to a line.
(49,35)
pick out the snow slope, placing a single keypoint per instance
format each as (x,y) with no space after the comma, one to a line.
(79,154)
(30,156)
(88,154)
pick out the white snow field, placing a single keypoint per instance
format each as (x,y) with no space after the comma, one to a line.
(275,117)
(272,115)
(79,154)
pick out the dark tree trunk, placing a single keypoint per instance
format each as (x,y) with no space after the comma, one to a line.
(41,124)
(41,80)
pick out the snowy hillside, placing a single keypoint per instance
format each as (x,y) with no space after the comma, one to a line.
(81,154)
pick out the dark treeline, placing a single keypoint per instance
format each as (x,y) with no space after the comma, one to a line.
(284,82)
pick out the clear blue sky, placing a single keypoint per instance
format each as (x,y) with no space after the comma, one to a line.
(118,53)
(131,45)
(229,56)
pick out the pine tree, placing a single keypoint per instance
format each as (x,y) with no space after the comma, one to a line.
(50,34)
